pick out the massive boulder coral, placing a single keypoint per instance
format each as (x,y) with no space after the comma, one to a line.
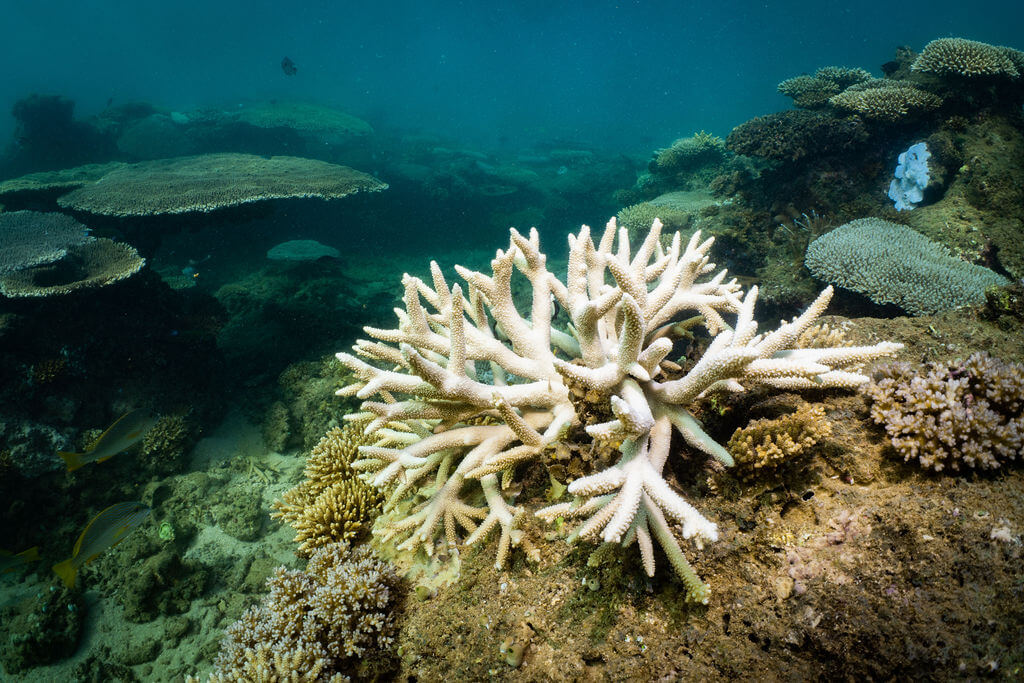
(467,388)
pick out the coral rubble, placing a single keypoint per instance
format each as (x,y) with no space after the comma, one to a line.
(459,406)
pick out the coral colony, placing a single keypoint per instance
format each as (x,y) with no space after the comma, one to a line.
(466,388)
(907,189)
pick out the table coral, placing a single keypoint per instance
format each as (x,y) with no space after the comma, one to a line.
(886,100)
(967,58)
(469,388)
(892,264)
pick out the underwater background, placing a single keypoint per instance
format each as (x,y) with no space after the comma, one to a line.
(250,431)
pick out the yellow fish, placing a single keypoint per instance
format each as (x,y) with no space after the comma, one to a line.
(106,530)
(127,430)
(10,562)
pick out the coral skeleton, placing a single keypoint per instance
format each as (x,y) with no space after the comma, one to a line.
(468,387)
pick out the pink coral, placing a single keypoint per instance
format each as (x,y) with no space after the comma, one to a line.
(962,414)
(320,619)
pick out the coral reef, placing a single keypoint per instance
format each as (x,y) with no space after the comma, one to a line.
(333,618)
(886,100)
(322,124)
(813,92)
(332,504)
(277,315)
(48,136)
(960,415)
(213,181)
(40,629)
(29,446)
(891,263)
(162,584)
(769,443)
(157,136)
(967,58)
(461,406)
(1004,305)
(792,136)
(307,408)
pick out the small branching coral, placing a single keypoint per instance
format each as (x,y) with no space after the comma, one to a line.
(332,504)
(767,444)
(315,625)
(469,388)
(960,415)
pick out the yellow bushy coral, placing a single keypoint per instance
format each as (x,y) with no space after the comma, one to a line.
(332,504)
(766,444)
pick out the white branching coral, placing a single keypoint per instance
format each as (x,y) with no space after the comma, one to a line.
(467,387)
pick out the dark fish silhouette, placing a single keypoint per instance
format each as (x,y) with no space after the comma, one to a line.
(288,66)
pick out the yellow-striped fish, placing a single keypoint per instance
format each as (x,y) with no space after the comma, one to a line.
(127,430)
(10,562)
(106,530)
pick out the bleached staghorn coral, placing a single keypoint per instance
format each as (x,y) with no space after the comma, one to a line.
(443,429)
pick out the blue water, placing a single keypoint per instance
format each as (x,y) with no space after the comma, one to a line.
(627,75)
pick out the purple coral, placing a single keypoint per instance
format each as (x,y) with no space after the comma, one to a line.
(962,414)
(316,622)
